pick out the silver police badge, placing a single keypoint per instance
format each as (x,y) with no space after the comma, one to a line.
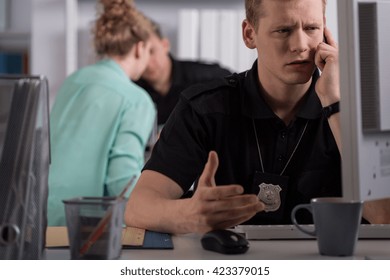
(270,195)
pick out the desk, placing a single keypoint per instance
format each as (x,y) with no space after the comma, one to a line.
(188,247)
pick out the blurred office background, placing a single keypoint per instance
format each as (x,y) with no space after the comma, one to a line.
(52,37)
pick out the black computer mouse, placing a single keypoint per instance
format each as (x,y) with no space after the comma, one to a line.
(224,242)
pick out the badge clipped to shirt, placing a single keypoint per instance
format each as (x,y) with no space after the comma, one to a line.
(270,189)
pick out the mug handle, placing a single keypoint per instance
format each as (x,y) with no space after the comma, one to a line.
(293,212)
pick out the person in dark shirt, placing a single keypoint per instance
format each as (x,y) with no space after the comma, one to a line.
(256,143)
(166,77)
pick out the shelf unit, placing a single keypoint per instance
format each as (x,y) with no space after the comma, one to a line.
(13,40)
(14,36)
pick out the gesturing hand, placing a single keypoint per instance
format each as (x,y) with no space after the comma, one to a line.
(216,207)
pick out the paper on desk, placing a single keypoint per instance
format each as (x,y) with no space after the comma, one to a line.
(132,236)
(57,237)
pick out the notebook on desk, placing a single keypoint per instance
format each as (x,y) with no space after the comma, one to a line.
(132,238)
(267,232)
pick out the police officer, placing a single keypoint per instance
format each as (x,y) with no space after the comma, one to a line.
(257,143)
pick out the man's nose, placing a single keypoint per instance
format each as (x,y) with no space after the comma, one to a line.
(299,41)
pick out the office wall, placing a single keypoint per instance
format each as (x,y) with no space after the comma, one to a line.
(15,22)
(331,17)
(19,19)
(48,42)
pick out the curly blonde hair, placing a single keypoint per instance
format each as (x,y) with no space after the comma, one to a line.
(119,27)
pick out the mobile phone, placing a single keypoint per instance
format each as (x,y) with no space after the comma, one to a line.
(324,39)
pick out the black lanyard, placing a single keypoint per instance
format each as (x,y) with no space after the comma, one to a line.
(292,154)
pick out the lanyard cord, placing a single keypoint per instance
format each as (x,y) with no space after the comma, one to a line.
(292,154)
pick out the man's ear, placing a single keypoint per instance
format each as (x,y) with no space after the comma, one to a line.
(248,34)
(167,45)
(138,49)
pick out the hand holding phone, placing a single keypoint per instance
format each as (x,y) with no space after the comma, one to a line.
(326,59)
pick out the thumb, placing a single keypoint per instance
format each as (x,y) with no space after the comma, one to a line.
(208,174)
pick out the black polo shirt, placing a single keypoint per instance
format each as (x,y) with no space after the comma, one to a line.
(184,74)
(220,115)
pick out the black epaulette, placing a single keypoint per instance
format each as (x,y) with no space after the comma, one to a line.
(197,89)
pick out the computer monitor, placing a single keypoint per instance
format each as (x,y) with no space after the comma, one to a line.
(364,45)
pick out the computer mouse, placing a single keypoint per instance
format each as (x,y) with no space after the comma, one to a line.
(225,242)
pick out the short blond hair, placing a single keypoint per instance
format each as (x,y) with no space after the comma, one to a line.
(254,11)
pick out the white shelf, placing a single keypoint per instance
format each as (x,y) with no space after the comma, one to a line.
(10,40)
(6,35)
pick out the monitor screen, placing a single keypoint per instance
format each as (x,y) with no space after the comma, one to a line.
(364,45)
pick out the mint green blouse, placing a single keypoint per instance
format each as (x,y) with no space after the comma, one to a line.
(100,125)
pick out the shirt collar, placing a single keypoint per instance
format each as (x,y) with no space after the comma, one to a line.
(111,64)
(254,106)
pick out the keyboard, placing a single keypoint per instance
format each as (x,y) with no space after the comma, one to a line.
(267,232)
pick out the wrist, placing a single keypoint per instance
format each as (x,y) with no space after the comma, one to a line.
(331,109)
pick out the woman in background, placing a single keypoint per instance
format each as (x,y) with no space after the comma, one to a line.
(101,120)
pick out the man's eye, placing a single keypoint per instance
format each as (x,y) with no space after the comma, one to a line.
(312,28)
(283,30)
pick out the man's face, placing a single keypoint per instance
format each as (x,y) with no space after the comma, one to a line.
(287,38)
(159,59)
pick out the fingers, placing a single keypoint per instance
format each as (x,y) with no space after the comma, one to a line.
(329,38)
(230,203)
(219,193)
(325,53)
(207,179)
(228,213)
(208,175)
(377,211)
(223,206)
(234,215)
(321,56)
(326,59)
